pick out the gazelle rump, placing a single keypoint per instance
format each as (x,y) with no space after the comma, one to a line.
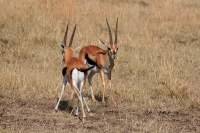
(103,60)
(74,71)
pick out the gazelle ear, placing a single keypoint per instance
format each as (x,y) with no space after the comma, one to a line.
(104,43)
(77,48)
(62,45)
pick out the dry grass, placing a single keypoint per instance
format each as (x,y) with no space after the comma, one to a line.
(157,67)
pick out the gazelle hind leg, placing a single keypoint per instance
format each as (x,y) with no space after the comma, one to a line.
(88,109)
(81,100)
(82,94)
(77,108)
(62,92)
(72,95)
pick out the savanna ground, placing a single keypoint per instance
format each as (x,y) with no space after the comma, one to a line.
(155,78)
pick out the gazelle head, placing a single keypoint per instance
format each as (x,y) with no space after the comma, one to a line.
(112,47)
(68,52)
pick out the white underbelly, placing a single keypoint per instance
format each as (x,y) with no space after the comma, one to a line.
(106,71)
(96,69)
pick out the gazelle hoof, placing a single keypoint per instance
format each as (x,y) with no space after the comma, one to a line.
(55,110)
(76,115)
(104,103)
(84,119)
(91,114)
(94,100)
(115,103)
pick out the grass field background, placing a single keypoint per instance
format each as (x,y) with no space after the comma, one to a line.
(157,66)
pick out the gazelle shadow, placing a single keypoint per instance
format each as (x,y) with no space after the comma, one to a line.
(98,97)
(65,106)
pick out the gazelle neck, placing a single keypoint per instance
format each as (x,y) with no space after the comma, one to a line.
(111,60)
(68,54)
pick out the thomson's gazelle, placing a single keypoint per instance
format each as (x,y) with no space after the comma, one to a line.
(74,71)
(103,60)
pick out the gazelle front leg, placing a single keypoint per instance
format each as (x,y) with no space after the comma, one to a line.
(103,85)
(111,88)
(109,80)
(62,92)
(90,76)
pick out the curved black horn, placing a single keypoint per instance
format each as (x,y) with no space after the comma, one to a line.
(71,40)
(65,36)
(110,34)
(116,31)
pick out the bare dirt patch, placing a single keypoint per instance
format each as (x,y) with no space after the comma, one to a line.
(38,116)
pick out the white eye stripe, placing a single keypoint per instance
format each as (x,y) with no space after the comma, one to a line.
(114,51)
